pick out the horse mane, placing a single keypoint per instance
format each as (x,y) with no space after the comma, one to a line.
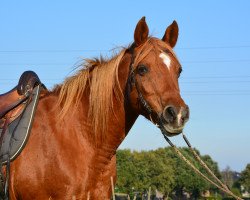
(99,78)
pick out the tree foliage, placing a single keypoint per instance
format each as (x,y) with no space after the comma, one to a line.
(140,170)
(245,178)
(160,169)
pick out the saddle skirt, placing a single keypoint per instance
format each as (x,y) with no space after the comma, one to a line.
(17,132)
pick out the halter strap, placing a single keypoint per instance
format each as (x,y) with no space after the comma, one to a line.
(132,80)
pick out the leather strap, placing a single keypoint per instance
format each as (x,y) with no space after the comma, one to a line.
(133,81)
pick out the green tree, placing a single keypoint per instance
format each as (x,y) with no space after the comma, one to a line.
(245,178)
(141,170)
(125,171)
(161,169)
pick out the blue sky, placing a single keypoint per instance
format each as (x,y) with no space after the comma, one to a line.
(50,37)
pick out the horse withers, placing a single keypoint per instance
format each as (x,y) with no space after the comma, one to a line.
(79,124)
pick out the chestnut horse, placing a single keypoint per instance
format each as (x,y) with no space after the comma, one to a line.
(71,152)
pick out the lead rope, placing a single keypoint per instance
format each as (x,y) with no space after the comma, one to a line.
(223,188)
(204,165)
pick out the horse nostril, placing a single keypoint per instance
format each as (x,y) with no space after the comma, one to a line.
(170,114)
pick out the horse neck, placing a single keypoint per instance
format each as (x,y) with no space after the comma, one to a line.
(123,117)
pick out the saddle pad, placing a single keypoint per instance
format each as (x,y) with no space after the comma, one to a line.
(17,133)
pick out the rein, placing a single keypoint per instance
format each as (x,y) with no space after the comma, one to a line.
(132,81)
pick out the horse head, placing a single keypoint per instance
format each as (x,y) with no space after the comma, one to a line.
(153,79)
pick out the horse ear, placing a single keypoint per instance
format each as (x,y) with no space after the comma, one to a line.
(171,34)
(141,32)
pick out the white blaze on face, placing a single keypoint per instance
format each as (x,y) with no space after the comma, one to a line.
(166,59)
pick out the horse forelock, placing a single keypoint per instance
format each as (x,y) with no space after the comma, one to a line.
(152,44)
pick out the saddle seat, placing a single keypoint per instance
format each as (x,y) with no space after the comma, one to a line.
(13,102)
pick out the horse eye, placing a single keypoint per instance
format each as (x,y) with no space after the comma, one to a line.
(180,70)
(142,70)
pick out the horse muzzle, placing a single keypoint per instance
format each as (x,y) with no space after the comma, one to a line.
(174,119)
